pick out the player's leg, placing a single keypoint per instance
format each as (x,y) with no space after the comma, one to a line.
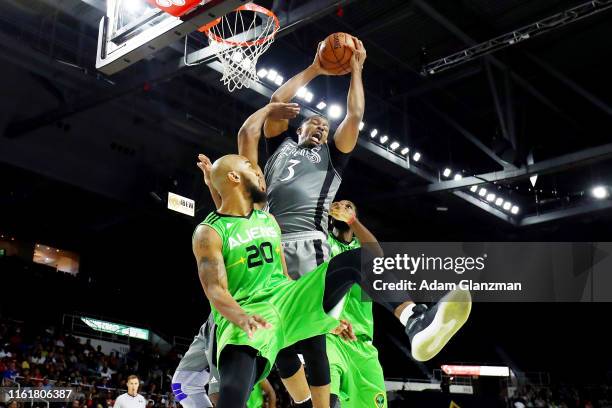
(293,376)
(238,370)
(303,253)
(213,385)
(337,369)
(188,388)
(429,329)
(192,375)
(367,382)
(317,369)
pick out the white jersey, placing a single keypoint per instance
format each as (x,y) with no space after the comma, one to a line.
(127,401)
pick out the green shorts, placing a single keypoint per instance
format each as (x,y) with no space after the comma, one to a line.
(256,399)
(356,375)
(293,308)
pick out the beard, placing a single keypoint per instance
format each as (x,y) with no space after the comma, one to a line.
(258,196)
(340,225)
(307,143)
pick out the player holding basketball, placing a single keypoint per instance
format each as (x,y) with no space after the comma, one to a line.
(257,308)
(303,178)
(356,374)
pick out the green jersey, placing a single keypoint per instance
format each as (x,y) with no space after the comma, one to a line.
(356,310)
(251,252)
(255,279)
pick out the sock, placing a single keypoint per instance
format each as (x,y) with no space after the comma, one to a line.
(307,403)
(406,314)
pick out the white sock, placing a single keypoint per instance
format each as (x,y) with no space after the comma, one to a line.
(303,401)
(406,313)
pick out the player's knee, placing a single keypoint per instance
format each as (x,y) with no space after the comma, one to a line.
(317,363)
(178,392)
(288,363)
(318,372)
(349,265)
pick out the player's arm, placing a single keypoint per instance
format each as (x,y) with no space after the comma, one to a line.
(250,131)
(287,91)
(346,135)
(269,393)
(207,248)
(205,165)
(365,236)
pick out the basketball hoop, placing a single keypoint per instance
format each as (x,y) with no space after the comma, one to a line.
(238,39)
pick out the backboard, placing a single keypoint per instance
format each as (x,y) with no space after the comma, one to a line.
(135,29)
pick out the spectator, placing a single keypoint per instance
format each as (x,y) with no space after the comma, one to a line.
(46,384)
(10,372)
(4,353)
(38,358)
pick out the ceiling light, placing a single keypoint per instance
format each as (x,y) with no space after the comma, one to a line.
(272,75)
(600,192)
(334,111)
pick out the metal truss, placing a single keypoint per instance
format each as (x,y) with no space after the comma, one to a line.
(514,37)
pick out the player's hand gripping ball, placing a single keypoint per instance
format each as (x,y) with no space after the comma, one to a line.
(334,54)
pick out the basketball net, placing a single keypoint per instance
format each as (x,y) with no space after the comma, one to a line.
(238,39)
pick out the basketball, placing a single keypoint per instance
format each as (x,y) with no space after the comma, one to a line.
(335,54)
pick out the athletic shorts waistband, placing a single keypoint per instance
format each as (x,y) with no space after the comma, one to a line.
(304,236)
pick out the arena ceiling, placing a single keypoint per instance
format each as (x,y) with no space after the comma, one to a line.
(136,133)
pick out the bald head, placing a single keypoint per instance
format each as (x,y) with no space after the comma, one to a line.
(234,174)
(224,171)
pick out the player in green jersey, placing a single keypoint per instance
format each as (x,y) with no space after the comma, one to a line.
(258,309)
(357,379)
(197,367)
